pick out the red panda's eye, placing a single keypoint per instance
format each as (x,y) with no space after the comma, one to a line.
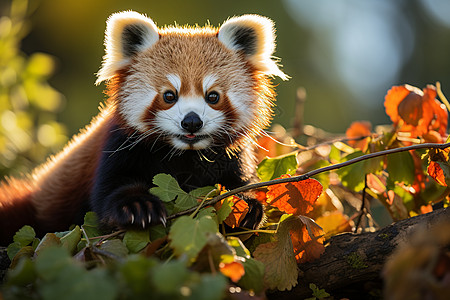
(212,97)
(170,97)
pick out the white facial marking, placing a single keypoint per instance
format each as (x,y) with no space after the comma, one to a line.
(175,81)
(208,81)
(240,100)
(135,104)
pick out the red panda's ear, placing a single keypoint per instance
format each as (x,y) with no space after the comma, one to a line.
(254,35)
(126,34)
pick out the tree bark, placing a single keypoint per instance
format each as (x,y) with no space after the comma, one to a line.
(352,263)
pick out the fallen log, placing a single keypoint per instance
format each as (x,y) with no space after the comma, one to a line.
(351,265)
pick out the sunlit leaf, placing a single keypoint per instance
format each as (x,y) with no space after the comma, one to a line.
(307,238)
(333,223)
(271,168)
(233,270)
(295,198)
(223,209)
(416,111)
(239,210)
(352,176)
(356,132)
(298,239)
(400,167)
(439,165)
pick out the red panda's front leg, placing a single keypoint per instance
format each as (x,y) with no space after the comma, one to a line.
(120,194)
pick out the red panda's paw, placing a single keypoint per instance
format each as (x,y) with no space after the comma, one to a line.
(137,211)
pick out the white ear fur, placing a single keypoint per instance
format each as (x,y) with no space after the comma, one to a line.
(255,36)
(126,33)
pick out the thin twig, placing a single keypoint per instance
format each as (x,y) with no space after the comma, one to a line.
(362,209)
(442,96)
(309,174)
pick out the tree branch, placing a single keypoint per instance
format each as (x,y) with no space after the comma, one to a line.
(310,174)
(352,263)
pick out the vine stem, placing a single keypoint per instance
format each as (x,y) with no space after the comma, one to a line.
(309,174)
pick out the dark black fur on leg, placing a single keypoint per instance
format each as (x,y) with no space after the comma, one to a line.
(253,218)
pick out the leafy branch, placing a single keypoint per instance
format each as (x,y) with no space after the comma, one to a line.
(310,174)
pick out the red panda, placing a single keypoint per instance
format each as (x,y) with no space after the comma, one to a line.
(186,101)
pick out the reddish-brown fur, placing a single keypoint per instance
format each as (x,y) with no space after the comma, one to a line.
(51,197)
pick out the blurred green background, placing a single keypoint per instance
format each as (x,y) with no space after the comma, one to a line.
(346,54)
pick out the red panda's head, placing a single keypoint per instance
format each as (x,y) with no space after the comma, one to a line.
(192,87)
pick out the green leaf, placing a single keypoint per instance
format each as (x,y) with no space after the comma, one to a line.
(170,276)
(76,283)
(91,226)
(400,167)
(51,263)
(225,210)
(13,249)
(167,188)
(25,235)
(91,219)
(135,272)
(318,293)
(23,274)
(204,191)
(353,176)
(48,241)
(271,168)
(188,236)
(115,247)
(63,279)
(157,232)
(136,240)
(210,287)
(253,278)
(207,211)
(184,202)
(237,244)
(71,239)
(24,252)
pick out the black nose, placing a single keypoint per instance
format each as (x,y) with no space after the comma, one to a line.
(192,122)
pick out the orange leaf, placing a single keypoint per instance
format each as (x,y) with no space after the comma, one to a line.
(307,241)
(334,222)
(239,210)
(392,100)
(426,209)
(295,198)
(436,172)
(439,166)
(356,130)
(234,270)
(418,110)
